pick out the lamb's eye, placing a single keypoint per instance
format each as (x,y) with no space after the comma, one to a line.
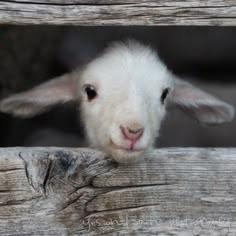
(90,91)
(164,95)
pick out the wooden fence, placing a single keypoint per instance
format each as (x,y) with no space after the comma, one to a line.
(119,12)
(61,191)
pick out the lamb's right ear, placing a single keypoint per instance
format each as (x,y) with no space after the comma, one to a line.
(198,104)
(41,98)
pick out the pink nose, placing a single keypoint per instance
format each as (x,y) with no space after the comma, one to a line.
(132,134)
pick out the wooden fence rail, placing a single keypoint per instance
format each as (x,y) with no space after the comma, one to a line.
(118,12)
(62,191)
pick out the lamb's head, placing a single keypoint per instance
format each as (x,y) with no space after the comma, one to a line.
(123,96)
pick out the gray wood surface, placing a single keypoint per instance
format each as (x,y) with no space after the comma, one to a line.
(62,191)
(118,12)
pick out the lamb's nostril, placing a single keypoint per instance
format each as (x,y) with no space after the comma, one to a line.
(132,134)
(134,131)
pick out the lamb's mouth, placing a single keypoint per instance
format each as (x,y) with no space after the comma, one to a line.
(125,149)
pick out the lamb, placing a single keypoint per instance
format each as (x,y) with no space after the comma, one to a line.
(123,95)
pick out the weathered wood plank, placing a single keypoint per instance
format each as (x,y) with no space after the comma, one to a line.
(116,12)
(62,191)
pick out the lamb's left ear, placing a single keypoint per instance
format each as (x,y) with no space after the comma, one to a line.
(199,104)
(42,97)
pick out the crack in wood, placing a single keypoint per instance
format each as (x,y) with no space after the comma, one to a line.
(47,176)
(117,210)
(11,190)
(18,202)
(26,169)
(10,170)
(95,4)
(69,203)
(154,6)
(77,189)
(130,187)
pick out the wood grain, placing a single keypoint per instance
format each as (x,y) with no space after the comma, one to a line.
(116,12)
(62,191)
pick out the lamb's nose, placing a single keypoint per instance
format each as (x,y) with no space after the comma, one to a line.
(132,134)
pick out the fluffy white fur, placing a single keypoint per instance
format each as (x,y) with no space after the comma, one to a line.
(129,79)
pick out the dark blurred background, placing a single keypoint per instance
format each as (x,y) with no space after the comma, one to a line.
(206,56)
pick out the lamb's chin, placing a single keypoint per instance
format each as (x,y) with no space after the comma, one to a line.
(126,156)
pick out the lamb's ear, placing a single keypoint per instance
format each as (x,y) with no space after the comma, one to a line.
(42,97)
(199,104)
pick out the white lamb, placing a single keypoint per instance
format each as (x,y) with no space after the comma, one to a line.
(123,96)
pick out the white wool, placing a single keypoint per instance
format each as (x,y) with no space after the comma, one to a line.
(129,79)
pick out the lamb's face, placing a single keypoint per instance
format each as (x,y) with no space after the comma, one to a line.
(123,100)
